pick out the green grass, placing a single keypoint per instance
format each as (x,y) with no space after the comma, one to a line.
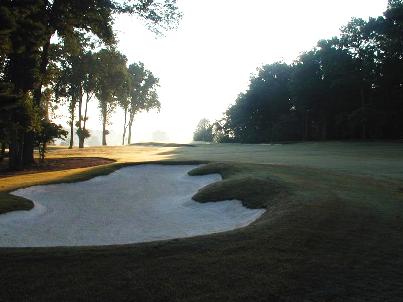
(332,232)
(374,159)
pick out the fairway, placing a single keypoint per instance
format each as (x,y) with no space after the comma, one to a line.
(177,151)
(331,232)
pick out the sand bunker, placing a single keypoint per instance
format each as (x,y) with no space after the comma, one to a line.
(134,204)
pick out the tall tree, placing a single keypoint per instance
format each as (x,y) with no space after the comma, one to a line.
(143,94)
(20,56)
(31,26)
(89,85)
(203,131)
(111,72)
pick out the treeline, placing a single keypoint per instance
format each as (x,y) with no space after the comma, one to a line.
(64,52)
(105,77)
(348,87)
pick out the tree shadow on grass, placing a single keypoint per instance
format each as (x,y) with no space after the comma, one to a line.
(56,164)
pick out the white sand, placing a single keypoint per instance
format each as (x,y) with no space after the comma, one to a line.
(133,204)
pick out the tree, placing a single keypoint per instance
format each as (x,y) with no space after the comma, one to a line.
(111,72)
(20,56)
(344,88)
(203,131)
(24,56)
(142,95)
(49,131)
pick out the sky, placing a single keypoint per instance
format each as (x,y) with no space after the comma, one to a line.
(209,59)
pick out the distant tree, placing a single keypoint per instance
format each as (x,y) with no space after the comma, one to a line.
(111,73)
(203,131)
(142,95)
(86,93)
(255,113)
(124,102)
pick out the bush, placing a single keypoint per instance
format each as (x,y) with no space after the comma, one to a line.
(47,133)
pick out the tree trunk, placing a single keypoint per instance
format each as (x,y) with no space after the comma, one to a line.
(28,145)
(104,116)
(72,109)
(80,118)
(124,128)
(28,149)
(16,152)
(129,137)
(2,151)
(82,139)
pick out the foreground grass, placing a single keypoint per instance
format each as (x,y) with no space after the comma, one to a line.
(327,235)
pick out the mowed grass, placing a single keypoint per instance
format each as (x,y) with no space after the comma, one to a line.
(332,232)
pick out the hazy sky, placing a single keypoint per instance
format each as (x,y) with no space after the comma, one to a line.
(208,60)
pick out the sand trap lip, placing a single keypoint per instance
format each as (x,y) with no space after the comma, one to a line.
(133,204)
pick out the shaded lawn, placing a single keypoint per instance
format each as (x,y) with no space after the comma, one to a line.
(326,236)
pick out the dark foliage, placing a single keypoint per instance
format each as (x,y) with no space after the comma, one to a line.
(26,49)
(348,87)
(47,133)
(203,132)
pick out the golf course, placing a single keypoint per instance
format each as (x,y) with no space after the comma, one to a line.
(331,230)
(201,151)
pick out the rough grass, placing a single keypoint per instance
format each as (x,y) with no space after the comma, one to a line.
(334,235)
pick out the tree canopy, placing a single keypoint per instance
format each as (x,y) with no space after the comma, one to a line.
(204,131)
(347,87)
(30,31)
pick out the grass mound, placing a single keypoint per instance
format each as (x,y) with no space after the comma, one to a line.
(226,170)
(254,192)
(10,203)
